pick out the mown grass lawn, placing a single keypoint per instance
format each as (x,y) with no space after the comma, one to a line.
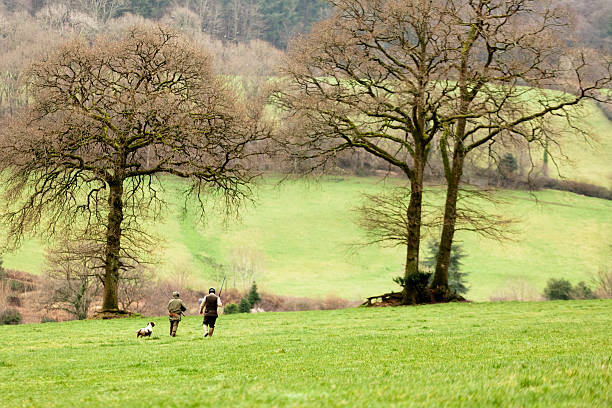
(553,354)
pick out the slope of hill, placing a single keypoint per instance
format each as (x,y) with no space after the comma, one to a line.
(586,158)
(547,354)
(300,240)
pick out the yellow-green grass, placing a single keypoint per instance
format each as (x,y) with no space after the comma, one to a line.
(586,158)
(549,354)
(302,235)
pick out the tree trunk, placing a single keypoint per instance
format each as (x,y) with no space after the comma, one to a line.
(440,279)
(545,158)
(413,215)
(113,246)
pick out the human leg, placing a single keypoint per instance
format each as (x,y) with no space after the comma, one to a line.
(173,328)
(211,323)
(205,326)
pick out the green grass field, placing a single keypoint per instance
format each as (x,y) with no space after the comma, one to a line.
(588,160)
(549,354)
(301,236)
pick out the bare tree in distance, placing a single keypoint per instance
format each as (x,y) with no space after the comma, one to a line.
(102,10)
(73,278)
(245,264)
(133,287)
(108,118)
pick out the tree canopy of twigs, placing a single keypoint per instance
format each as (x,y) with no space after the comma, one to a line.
(517,78)
(368,78)
(383,216)
(392,77)
(108,118)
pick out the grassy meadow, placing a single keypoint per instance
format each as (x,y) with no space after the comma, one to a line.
(549,354)
(300,237)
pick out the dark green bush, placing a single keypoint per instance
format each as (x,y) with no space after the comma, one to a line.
(231,308)
(253,297)
(417,281)
(10,316)
(562,289)
(582,291)
(3,274)
(457,280)
(558,289)
(245,305)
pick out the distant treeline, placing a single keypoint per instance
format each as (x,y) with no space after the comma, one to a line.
(274,21)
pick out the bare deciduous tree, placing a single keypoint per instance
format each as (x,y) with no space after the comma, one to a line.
(515,69)
(246,262)
(393,77)
(603,283)
(133,286)
(372,77)
(102,10)
(73,278)
(108,118)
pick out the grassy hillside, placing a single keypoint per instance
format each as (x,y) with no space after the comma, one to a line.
(553,354)
(584,158)
(300,237)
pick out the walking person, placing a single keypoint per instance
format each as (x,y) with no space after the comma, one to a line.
(176,307)
(209,307)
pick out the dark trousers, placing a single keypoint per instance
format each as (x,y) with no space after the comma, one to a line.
(173,327)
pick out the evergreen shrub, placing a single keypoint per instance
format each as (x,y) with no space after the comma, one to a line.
(231,308)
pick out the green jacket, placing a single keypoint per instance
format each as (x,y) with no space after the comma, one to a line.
(175,307)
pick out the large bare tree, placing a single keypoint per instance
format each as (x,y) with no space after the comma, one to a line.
(520,79)
(107,119)
(395,77)
(372,78)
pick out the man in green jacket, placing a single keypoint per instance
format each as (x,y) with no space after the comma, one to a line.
(176,307)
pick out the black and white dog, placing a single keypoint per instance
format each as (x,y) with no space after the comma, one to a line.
(145,331)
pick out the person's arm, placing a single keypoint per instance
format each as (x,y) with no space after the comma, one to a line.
(183,307)
(219,301)
(202,305)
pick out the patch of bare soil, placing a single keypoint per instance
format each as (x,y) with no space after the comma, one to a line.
(118,314)
(395,299)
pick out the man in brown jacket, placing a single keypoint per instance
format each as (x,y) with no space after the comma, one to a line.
(209,306)
(176,307)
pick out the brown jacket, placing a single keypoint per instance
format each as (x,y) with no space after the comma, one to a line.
(210,304)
